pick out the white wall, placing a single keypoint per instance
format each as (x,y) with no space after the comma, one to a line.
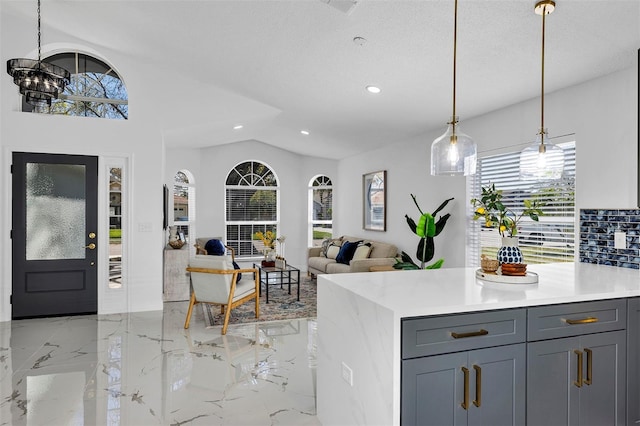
(210,167)
(137,140)
(602,113)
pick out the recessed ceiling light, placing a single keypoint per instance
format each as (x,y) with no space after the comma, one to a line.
(305,132)
(238,127)
(373,89)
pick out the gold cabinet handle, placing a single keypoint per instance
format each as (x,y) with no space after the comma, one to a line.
(481,332)
(465,402)
(588,380)
(578,382)
(587,320)
(91,246)
(478,401)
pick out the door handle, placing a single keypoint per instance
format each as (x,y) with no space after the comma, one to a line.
(91,246)
(588,380)
(478,401)
(465,402)
(578,382)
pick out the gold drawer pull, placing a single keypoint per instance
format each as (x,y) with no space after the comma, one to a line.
(578,382)
(587,320)
(481,332)
(465,402)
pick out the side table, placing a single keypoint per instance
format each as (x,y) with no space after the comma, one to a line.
(176,278)
(271,275)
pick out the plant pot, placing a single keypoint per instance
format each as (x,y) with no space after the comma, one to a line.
(509,252)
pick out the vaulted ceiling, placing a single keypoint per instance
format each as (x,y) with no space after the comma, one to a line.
(278,67)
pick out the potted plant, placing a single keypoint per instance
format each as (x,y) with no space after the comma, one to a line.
(427,228)
(490,208)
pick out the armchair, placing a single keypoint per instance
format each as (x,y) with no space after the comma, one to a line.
(215,281)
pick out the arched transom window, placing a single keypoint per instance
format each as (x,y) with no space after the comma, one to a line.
(96,90)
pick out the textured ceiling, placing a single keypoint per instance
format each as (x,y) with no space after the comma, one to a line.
(281,66)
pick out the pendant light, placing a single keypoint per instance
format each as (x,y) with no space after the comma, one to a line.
(38,81)
(542,160)
(453,153)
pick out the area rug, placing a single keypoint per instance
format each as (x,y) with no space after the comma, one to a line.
(281,306)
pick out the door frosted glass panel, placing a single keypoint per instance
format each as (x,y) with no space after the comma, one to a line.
(55,219)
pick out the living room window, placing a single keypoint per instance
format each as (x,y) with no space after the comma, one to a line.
(551,238)
(320,210)
(96,90)
(184,198)
(252,205)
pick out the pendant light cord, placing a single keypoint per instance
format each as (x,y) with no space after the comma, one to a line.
(544,13)
(455,48)
(39,57)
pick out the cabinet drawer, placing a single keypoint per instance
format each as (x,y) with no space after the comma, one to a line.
(573,319)
(452,333)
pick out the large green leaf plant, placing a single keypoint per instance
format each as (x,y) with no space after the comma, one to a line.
(427,229)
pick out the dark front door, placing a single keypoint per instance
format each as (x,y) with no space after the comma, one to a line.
(54,235)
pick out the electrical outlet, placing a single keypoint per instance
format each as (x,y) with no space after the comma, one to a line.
(347,374)
(620,240)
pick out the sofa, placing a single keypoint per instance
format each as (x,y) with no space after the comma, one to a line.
(367,253)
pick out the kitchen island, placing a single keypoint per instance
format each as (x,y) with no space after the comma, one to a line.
(361,319)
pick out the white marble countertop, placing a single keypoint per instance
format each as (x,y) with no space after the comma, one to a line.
(453,290)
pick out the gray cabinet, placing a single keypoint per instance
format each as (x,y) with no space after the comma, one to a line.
(461,369)
(481,387)
(577,380)
(633,361)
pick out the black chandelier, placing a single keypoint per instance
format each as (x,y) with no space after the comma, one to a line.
(38,81)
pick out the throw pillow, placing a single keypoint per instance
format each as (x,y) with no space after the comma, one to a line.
(236,266)
(325,246)
(333,251)
(362,251)
(214,248)
(346,252)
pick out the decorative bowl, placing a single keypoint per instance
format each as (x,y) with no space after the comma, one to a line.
(176,244)
(489,265)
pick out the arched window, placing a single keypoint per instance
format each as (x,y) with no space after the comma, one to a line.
(96,90)
(184,197)
(320,210)
(252,204)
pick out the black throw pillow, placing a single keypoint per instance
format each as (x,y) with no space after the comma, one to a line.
(236,266)
(346,252)
(214,248)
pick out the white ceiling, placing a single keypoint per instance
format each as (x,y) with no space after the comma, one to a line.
(281,66)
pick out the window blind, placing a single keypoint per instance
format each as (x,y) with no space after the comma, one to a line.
(251,206)
(551,239)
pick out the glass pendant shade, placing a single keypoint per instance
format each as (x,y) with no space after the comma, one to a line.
(454,153)
(542,160)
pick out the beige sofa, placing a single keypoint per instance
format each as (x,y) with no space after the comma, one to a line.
(380,254)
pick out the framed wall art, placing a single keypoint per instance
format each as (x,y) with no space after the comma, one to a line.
(374,201)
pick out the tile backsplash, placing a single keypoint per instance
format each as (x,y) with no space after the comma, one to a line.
(597,229)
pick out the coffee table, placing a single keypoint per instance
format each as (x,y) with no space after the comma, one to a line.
(271,275)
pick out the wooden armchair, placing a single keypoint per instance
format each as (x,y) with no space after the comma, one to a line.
(215,281)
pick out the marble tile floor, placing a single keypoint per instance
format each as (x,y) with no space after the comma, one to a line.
(145,369)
